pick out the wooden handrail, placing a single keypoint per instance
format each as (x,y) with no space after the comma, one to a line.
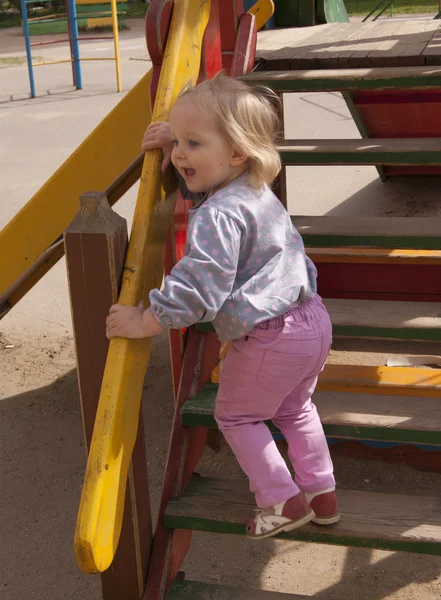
(102,502)
(55,251)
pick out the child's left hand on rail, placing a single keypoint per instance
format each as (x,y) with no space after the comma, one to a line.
(131,322)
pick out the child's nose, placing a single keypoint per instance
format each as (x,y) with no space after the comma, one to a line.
(178,153)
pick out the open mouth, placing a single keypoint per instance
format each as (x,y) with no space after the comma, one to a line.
(189,172)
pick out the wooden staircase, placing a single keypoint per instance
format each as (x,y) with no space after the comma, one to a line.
(366,268)
(379,277)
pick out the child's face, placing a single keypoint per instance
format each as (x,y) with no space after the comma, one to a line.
(201,154)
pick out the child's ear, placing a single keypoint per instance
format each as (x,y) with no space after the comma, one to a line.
(237,158)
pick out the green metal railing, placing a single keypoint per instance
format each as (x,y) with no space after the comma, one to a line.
(383,5)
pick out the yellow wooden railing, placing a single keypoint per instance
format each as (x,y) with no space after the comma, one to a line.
(102,501)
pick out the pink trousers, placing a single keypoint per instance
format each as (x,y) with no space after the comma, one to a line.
(271,373)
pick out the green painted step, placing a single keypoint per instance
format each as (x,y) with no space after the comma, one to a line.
(194,590)
(360,417)
(371,520)
(350,80)
(415,233)
(380,319)
(402,152)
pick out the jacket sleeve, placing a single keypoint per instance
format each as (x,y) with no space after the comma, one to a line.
(200,283)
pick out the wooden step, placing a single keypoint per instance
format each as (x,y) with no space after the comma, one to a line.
(376,256)
(347,416)
(394,381)
(385,319)
(415,233)
(384,521)
(195,590)
(335,80)
(417,321)
(404,152)
(362,379)
(378,273)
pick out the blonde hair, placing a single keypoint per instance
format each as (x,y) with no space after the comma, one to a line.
(249,120)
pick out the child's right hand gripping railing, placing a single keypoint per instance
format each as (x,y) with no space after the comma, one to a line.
(102,502)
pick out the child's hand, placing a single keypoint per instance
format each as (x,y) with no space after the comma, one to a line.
(158,135)
(131,322)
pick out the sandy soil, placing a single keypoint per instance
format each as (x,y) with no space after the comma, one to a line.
(42,460)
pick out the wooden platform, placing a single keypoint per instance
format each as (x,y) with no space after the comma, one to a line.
(352,45)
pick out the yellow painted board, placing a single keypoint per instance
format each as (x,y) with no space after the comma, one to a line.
(396,381)
(361,379)
(374,256)
(102,502)
(98,22)
(263,10)
(107,151)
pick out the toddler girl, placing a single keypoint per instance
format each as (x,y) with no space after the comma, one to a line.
(246,270)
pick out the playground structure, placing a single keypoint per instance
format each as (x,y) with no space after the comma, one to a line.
(378,276)
(72,18)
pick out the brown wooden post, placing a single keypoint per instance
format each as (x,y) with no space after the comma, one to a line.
(95,245)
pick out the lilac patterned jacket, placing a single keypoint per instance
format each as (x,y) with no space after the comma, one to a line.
(244,264)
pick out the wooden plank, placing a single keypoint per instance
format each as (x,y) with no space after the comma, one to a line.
(294,40)
(374,256)
(398,419)
(393,151)
(410,42)
(384,521)
(52,255)
(387,35)
(368,39)
(96,244)
(163,541)
(316,49)
(397,282)
(102,500)
(284,48)
(379,319)
(363,379)
(433,47)
(54,206)
(386,320)
(362,33)
(328,80)
(245,46)
(195,590)
(326,55)
(382,232)
(397,381)
(229,13)
(344,47)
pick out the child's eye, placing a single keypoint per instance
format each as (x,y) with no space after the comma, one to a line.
(193,144)
(174,142)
